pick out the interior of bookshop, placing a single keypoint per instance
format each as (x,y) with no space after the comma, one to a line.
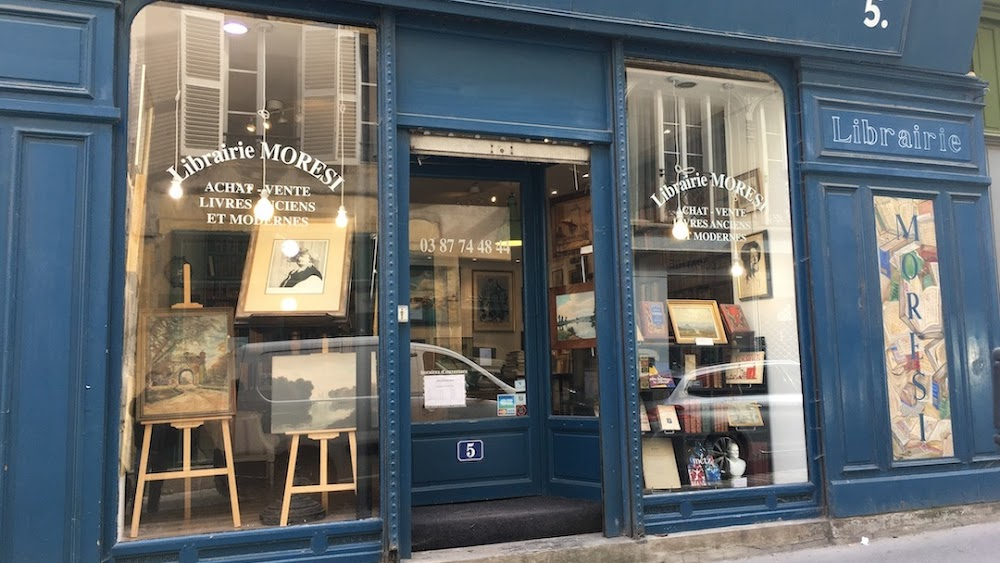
(719,375)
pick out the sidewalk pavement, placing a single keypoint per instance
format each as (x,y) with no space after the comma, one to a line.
(975,542)
(941,535)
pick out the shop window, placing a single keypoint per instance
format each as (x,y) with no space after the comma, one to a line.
(250,363)
(717,331)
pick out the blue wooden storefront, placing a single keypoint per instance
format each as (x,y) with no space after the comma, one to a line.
(534,68)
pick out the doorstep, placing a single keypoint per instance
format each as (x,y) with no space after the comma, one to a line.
(719,544)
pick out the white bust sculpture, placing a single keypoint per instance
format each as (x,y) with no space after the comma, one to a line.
(737,467)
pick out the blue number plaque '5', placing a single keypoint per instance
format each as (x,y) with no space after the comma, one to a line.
(470,450)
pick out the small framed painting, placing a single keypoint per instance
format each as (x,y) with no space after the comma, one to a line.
(185,364)
(696,321)
(573,314)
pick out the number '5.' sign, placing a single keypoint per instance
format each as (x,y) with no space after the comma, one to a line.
(470,450)
(874,15)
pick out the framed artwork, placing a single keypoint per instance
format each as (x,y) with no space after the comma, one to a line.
(752,178)
(573,314)
(492,296)
(570,223)
(185,364)
(755,283)
(556,278)
(318,391)
(747,368)
(733,319)
(694,321)
(745,415)
(296,270)
(422,297)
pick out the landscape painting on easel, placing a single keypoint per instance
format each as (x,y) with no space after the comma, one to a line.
(185,364)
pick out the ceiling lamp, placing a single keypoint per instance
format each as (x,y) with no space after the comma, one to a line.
(235,28)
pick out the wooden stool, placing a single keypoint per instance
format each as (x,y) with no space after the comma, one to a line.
(324,485)
(186,472)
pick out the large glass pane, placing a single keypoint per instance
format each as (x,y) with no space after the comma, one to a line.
(575,384)
(466,321)
(720,381)
(250,358)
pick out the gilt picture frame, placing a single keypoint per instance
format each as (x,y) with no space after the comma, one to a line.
(696,321)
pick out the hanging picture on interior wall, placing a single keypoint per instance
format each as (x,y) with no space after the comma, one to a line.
(570,223)
(296,270)
(492,294)
(752,180)
(755,283)
(573,313)
(185,364)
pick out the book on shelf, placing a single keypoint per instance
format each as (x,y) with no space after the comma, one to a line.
(733,319)
(667,415)
(644,425)
(659,464)
(653,320)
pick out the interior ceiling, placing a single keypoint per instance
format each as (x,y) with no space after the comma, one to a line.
(561,178)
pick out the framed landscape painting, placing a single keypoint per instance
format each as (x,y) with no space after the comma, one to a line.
(573,315)
(185,364)
(696,321)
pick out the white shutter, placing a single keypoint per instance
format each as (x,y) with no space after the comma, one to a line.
(202,81)
(331,75)
(349,90)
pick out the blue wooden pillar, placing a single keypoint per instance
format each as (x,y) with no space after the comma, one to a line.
(57,114)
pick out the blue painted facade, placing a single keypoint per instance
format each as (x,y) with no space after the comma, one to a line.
(534,68)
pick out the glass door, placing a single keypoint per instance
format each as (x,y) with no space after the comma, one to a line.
(472,428)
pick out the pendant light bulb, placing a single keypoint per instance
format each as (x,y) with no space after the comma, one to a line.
(341,220)
(176,191)
(264,209)
(737,270)
(680,230)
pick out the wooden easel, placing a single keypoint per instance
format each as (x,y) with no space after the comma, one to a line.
(186,472)
(324,485)
(185,425)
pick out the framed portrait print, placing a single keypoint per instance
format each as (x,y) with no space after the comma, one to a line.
(570,224)
(296,270)
(492,297)
(696,321)
(755,283)
(573,314)
(185,364)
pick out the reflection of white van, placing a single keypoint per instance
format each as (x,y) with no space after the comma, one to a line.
(325,383)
